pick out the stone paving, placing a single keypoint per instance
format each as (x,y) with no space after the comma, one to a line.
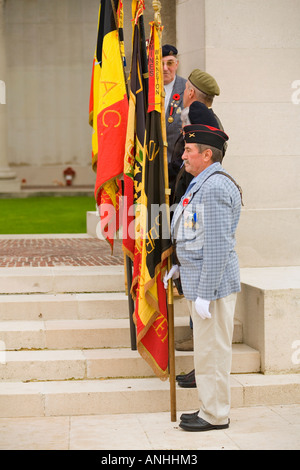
(40,251)
(273,427)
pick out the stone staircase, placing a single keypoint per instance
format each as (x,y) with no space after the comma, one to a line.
(65,349)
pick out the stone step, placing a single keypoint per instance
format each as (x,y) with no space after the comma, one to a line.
(102,363)
(268,308)
(61,279)
(43,307)
(71,306)
(148,395)
(81,334)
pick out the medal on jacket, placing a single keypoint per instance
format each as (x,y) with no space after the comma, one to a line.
(194,221)
(173,105)
(191,220)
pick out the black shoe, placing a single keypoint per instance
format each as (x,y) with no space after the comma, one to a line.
(186,377)
(187,384)
(189,416)
(198,424)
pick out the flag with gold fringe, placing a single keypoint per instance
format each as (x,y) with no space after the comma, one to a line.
(108,116)
(151,315)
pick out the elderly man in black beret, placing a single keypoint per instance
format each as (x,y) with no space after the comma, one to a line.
(203,228)
(174,87)
(198,97)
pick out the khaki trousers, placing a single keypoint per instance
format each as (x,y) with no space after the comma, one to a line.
(212,358)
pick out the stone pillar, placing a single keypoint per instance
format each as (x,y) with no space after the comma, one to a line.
(258,75)
(252,49)
(8,181)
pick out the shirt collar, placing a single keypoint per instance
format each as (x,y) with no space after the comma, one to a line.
(205,172)
(170,85)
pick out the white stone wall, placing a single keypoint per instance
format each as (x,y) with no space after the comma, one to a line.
(49,51)
(50,47)
(190,24)
(252,48)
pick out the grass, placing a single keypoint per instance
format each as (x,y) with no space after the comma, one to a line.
(45,214)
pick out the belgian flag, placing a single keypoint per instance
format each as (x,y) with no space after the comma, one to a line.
(108,116)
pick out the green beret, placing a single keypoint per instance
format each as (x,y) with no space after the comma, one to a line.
(204,82)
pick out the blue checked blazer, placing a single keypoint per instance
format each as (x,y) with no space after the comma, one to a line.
(204,232)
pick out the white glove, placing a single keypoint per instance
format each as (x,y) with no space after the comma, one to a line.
(201,306)
(173,273)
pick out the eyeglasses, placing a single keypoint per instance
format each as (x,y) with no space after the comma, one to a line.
(169,63)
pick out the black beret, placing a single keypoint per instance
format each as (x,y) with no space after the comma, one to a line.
(200,114)
(167,49)
(207,135)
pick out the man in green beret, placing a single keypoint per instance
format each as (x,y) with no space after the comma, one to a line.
(201,86)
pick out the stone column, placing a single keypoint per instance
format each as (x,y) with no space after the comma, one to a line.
(8,181)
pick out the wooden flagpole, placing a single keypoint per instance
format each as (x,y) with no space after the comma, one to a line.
(157,21)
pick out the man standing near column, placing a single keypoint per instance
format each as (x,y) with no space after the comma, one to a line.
(174,87)
(200,88)
(203,227)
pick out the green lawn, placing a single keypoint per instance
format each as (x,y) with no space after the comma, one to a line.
(45,214)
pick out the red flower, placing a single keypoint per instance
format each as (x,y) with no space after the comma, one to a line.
(176,97)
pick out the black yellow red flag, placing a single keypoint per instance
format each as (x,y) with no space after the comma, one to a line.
(151,303)
(108,116)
